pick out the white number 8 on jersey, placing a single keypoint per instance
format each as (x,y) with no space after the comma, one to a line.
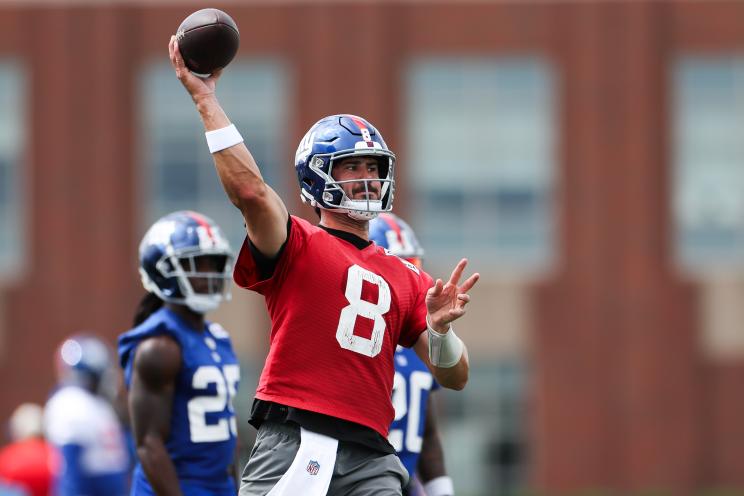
(358,307)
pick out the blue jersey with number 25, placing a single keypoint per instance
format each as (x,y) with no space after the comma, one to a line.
(202,430)
(411,388)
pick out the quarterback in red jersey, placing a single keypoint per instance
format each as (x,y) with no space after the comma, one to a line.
(376,305)
(338,304)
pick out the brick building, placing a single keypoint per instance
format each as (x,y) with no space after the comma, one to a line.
(587,156)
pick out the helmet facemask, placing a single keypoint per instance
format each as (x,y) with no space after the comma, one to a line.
(185,259)
(335,198)
(202,291)
(338,137)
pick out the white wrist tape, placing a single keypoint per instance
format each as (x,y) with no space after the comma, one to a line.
(445,349)
(222,138)
(440,486)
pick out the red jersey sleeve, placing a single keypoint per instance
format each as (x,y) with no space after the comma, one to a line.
(246,273)
(416,323)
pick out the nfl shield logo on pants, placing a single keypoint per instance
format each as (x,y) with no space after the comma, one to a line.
(313,467)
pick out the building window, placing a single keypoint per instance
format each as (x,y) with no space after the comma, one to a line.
(179,172)
(709,162)
(12,143)
(480,161)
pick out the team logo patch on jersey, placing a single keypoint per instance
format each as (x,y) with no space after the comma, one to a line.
(313,467)
(410,266)
(403,261)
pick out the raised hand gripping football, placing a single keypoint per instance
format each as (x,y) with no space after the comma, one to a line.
(198,87)
(445,302)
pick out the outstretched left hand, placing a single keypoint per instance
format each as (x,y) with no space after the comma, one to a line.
(445,303)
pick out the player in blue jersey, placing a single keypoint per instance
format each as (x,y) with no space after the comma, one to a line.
(81,423)
(413,433)
(180,369)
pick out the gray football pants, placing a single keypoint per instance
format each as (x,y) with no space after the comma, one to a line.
(358,471)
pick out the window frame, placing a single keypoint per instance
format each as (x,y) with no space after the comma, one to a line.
(544,245)
(14,263)
(699,259)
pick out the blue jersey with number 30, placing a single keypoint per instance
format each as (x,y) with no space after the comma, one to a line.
(203,430)
(411,388)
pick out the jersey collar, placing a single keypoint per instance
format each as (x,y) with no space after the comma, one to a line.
(355,240)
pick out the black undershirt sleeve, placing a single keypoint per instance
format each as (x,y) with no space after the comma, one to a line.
(264,264)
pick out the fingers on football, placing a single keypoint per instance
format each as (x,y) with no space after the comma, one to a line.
(176,59)
(172,49)
(216,75)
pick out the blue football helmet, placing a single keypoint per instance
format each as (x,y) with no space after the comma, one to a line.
(392,233)
(334,138)
(169,261)
(86,361)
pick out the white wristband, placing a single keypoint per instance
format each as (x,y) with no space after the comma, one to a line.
(440,486)
(222,138)
(445,349)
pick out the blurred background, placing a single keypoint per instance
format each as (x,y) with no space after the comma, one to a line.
(588,157)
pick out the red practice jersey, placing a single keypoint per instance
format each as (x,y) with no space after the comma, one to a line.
(337,313)
(32,464)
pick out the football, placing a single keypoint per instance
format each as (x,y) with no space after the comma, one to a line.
(208,40)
